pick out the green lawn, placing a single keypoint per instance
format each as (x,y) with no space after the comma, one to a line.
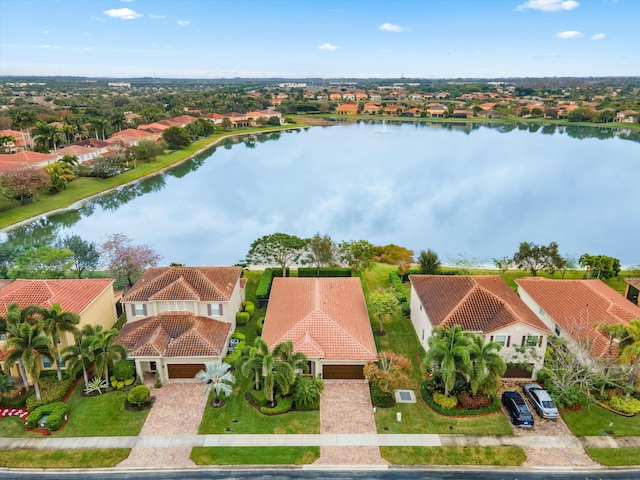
(13,427)
(255,455)
(615,457)
(90,458)
(495,456)
(103,415)
(594,420)
(238,416)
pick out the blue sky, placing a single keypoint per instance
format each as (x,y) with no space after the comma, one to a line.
(305,38)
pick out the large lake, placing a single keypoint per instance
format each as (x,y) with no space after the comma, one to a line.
(462,190)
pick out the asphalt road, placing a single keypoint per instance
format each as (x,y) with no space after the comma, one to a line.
(293,474)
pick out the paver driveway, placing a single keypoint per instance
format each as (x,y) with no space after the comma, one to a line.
(345,407)
(177,410)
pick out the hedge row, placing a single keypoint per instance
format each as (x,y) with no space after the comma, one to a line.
(50,391)
(264,286)
(283,405)
(234,356)
(494,406)
(325,272)
(57,412)
(381,399)
(395,280)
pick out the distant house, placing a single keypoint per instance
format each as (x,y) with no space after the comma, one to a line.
(412,112)
(83,154)
(436,111)
(573,309)
(632,290)
(131,136)
(335,96)
(216,118)
(627,116)
(347,109)
(462,113)
(482,304)
(178,318)
(24,159)
(488,114)
(393,109)
(326,319)
(20,140)
(372,108)
(94,300)
(375,97)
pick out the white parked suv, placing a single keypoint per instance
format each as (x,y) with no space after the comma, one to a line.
(541,400)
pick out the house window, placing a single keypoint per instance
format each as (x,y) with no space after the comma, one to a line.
(46,363)
(541,311)
(3,337)
(557,329)
(139,310)
(215,309)
(501,339)
(531,341)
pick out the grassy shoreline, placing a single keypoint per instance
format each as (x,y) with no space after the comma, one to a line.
(84,189)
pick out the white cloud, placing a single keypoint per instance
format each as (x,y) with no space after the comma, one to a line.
(52,47)
(327,46)
(390,27)
(598,36)
(569,34)
(182,23)
(548,5)
(123,13)
(156,17)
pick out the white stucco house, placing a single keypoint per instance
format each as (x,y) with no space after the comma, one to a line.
(485,305)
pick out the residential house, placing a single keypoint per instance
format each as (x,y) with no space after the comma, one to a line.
(102,146)
(627,116)
(436,110)
(375,97)
(92,299)
(335,96)
(24,159)
(574,309)
(347,109)
(412,112)
(371,108)
(393,109)
(349,96)
(21,139)
(178,318)
(482,304)
(83,154)
(361,96)
(462,112)
(216,118)
(326,319)
(632,290)
(488,114)
(131,137)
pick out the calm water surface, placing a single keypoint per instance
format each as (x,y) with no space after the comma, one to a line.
(461,190)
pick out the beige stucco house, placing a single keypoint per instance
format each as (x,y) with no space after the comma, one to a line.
(178,318)
(485,305)
(92,299)
(326,319)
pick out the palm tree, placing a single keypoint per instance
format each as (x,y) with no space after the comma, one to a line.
(54,321)
(7,384)
(629,348)
(276,374)
(487,366)
(67,131)
(449,354)
(11,323)
(118,119)
(80,355)
(47,136)
(297,360)
(216,378)
(27,345)
(251,362)
(99,125)
(307,390)
(106,352)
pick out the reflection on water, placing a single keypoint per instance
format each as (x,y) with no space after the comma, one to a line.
(420,185)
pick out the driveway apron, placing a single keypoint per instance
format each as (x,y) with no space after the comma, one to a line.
(345,407)
(177,410)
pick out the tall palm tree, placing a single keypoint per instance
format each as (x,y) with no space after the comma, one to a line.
(297,360)
(251,362)
(10,323)
(118,119)
(67,130)
(106,352)
(449,354)
(47,136)
(487,366)
(54,321)
(276,374)
(26,344)
(99,125)
(629,348)
(217,378)
(80,355)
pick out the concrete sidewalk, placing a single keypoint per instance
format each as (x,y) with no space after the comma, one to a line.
(321,440)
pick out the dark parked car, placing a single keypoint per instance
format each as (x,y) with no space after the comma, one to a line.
(517,409)
(541,400)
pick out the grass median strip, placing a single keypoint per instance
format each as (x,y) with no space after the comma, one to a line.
(90,458)
(255,455)
(615,457)
(496,456)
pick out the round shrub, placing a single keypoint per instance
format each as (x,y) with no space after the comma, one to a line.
(239,335)
(248,307)
(445,402)
(242,318)
(138,395)
(57,412)
(124,370)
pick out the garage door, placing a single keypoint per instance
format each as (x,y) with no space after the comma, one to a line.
(348,372)
(184,370)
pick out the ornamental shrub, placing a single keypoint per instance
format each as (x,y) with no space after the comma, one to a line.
(51,390)
(17,398)
(445,402)
(248,307)
(264,286)
(234,356)
(283,405)
(256,397)
(129,381)
(239,335)
(425,391)
(621,404)
(124,370)
(396,283)
(381,399)
(138,395)
(259,326)
(56,411)
(242,318)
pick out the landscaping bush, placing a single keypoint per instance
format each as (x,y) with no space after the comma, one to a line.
(469,402)
(51,390)
(56,411)
(425,391)
(138,395)
(259,326)
(248,307)
(381,399)
(396,282)
(239,335)
(325,272)
(307,408)
(17,398)
(54,374)
(242,318)
(158,383)
(124,370)
(264,285)
(256,397)
(406,309)
(283,405)
(621,404)
(445,402)
(234,356)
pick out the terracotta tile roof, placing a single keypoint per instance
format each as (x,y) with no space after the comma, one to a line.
(91,142)
(72,295)
(175,334)
(482,303)
(130,132)
(579,305)
(205,284)
(634,282)
(324,317)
